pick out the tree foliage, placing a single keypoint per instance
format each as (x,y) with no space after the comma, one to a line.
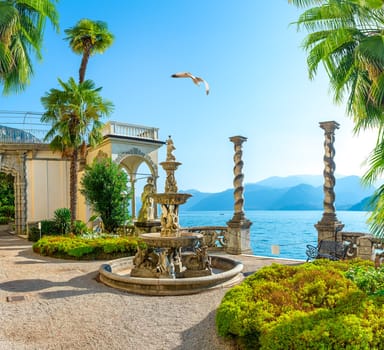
(86,38)
(75,114)
(7,195)
(104,187)
(22,25)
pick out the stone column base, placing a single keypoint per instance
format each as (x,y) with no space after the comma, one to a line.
(329,230)
(239,237)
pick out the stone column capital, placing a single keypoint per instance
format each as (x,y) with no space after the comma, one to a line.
(329,126)
(238,139)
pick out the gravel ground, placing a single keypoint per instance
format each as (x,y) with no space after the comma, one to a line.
(55,304)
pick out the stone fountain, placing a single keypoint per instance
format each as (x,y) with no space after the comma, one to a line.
(175,261)
(163,257)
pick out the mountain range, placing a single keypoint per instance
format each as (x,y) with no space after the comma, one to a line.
(298,192)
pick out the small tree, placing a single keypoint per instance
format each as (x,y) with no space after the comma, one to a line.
(104,186)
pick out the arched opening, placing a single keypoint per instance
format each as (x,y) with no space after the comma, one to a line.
(139,168)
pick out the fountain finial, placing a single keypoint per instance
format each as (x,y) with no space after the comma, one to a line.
(170,149)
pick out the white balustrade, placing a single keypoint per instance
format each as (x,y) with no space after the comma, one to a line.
(130,130)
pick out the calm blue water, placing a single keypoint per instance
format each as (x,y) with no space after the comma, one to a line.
(291,230)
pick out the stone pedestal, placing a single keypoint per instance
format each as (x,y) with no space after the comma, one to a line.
(239,237)
(365,248)
(329,230)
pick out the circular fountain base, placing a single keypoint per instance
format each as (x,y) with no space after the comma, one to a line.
(116,274)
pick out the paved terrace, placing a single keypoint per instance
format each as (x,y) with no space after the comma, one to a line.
(48,303)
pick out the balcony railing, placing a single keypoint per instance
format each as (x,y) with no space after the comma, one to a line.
(14,135)
(21,136)
(130,130)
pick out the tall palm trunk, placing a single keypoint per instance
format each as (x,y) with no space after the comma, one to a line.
(73,185)
(84,61)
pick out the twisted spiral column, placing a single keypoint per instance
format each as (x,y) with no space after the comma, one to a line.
(238,237)
(329,225)
(329,167)
(238,177)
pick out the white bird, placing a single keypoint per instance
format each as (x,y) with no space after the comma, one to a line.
(196,80)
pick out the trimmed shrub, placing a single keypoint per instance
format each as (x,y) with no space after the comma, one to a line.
(310,306)
(48,228)
(104,247)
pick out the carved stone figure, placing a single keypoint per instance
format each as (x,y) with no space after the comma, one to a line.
(170,149)
(147,210)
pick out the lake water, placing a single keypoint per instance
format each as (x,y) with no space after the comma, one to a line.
(290,230)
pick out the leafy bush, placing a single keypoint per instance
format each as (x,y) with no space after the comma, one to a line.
(79,227)
(33,234)
(310,306)
(4,220)
(48,228)
(63,220)
(367,278)
(8,211)
(103,247)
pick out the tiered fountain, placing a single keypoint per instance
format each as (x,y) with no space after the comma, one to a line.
(163,268)
(163,256)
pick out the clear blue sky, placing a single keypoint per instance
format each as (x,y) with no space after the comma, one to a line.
(250,56)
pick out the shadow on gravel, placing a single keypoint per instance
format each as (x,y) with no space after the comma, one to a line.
(201,336)
(80,285)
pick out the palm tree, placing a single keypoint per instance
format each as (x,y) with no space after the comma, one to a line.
(86,38)
(74,113)
(346,36)
(22,25)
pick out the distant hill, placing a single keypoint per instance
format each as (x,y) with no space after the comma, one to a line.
(300,197)
(349,191)
(291,181)
(363,205)
(299,192)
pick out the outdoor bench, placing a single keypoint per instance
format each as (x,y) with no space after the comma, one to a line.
(333,250)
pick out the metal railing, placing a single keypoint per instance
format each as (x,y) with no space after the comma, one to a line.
(24,136)
(16,129)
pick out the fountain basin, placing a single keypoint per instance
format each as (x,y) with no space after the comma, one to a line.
(116,274)
(171,198)
(185,239)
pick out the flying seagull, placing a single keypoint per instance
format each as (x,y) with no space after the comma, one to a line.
(196,80)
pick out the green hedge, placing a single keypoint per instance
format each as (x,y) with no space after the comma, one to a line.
(310,306)
(75,247)
(48,228)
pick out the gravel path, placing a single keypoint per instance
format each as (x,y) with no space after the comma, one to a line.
(56,304)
